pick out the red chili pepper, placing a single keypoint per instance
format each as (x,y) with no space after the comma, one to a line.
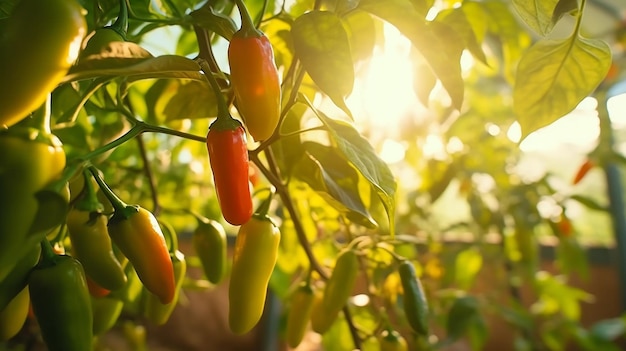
(228,154)
(582,171)
(254,78)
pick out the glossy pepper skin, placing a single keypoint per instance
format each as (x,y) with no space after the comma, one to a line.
(209,243)
(61,303)
(92,246)
(337,290)
(299,314)
(17,279)
(256,250)
(414,300)
(13,315)
(30,160)
(106,311)
(153,309)
(39,43)
(255,81)
(141,240)
(228,155)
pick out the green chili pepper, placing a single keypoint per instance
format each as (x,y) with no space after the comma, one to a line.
(414,299)
(61,302)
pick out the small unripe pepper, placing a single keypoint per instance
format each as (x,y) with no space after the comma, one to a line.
(414,299)
(338,289)
(254,78)
(209,243)
(299,314)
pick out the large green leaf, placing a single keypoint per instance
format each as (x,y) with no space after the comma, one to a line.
(219,23)
(440,45)
(335,180)
(537,14)
(457,19)
(166,66)
(361,30)
(362,156)
(322,45)
(553,76)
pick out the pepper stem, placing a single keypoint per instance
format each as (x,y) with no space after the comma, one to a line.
(48,256)
(121,208)
(222,108)
(248,29)
(121,23)
(264,207)
(90,201)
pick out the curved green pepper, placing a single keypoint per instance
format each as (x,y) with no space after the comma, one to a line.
(414,299)
(157,312)
(17,279)
(61,302)
(13,316)
(209,243)
(299,314)
(106,311)
(256,250)
(92,246)
(337,291)
(30,160)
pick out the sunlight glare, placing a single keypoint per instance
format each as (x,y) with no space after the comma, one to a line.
(515,132)
(385,89)
(360,300)
(616,106)
(392,151)
(433,148)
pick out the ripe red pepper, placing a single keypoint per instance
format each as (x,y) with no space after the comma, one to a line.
(228,154)
(254,78)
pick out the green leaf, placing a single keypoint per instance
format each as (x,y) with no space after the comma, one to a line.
(500,22)
(440,45)
(462,314)
(553,76)
(537,14)
(564,7)
(361,30)
(457,20)
(219,23)
(361,154)
(424,80)
(333,178)
(166,66)
(322,45)
(467,265)
(182,99)
(51,211)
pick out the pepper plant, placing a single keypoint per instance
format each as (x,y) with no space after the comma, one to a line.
(233,118)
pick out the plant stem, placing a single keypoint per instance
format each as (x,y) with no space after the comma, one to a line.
(156,207)
(247,24)
(121,23)
(353,331)
(222,108)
